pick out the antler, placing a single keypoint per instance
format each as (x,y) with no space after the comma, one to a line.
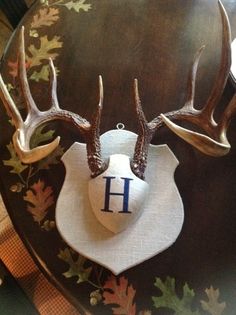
(35,118)
(214,142)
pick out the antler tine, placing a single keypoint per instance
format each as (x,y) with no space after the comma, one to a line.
(139,161)
(53,85)
(216,144)
(35,118)
(191,85)
(225,64)
(24,84)
(96,164)
(187,112)
(227,116)
(101,91)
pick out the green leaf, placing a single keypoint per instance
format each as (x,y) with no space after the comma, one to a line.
(52,159)
(169,298)
(39,137)
(78,5)
(212,306)
(76,266)
(14,161)
(43,74)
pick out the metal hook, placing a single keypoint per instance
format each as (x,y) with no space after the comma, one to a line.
(120,126)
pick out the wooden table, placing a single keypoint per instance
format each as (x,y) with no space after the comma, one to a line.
(154,41)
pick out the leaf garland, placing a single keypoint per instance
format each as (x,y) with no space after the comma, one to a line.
(122,294)
(45,17)
(213,306)
(169,298)
(78,5)
(17,166)
(41,198)
(76,266)
(37,56)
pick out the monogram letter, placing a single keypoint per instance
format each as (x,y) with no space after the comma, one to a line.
(125,194)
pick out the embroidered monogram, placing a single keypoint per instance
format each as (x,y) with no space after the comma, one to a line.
(125,194)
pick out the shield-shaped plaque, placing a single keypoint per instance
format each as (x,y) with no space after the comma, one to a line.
(154,231)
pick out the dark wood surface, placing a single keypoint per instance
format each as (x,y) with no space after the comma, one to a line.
(154,41)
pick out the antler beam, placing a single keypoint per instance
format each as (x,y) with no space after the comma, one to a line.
(214,142)
(35,118)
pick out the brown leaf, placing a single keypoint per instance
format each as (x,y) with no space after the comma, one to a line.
(122,294)
(41,198)
(212,306)
(45,17)
(13,65)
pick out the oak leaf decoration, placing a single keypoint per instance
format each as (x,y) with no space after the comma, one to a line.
(14,161)
(213,306)
(39,136)
(43,74)
(120,293)
(170,300)
(78,5)
(45,17)
(40,198)
(44,51)
(76,266)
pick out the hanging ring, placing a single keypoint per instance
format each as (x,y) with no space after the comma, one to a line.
(120,126)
